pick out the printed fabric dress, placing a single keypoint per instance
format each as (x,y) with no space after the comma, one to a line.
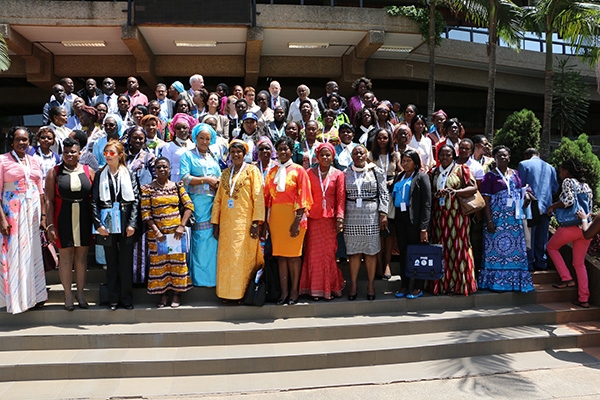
(166,271)
(450,228)
(239,256)
(361,224)
(320,276)
(282,209)
(505,266)
(203,249)
(72,214)
(22,278)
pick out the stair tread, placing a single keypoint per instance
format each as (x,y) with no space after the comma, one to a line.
(432,370)
(290,349)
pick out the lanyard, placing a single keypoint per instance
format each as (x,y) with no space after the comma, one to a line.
(444,176)
(232,182)
(116,182)
(310,151)
(385,165)
(506,180)
(359,183)
(327,181)
(26,168)
(262,171)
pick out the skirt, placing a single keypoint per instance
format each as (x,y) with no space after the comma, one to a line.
(281,217)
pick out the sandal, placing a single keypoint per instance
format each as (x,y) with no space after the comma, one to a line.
(564,284)
(582,304)
(163,301)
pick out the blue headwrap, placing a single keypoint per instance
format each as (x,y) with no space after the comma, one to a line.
(118,120)
(204,127)
(178,86)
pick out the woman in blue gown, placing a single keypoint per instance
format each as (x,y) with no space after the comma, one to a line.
(200,173)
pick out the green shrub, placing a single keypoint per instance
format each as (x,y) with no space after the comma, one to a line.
(520,131)
(580,149)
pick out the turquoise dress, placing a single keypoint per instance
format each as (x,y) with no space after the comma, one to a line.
(203,249)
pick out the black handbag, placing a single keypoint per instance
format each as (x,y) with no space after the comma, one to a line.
(425,261)
(271,277)
(256,292)
(192,219)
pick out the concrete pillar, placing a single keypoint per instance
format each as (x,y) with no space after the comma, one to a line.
(354,63)
(254,44)
(144,58)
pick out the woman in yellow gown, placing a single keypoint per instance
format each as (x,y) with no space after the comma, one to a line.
(238,211)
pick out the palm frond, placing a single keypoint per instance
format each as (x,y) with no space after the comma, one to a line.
(4,59)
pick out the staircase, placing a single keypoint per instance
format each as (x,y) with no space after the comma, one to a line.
(207,347)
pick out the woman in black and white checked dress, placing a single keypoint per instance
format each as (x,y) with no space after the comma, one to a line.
(366,213)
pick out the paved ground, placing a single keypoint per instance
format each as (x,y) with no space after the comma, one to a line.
(581,382)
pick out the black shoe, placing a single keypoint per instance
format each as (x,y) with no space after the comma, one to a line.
(113,307)
(352,297)
(69,308)
(370,297)
(129,306)
(283,301)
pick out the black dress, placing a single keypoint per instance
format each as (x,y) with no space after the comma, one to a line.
(72,213)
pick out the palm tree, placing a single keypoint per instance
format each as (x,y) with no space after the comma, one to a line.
(4,59)
(578,23)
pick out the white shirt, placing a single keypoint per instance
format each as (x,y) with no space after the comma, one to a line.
(174,153)
(424,148)
(476,169)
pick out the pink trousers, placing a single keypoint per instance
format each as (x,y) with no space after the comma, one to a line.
(571,234)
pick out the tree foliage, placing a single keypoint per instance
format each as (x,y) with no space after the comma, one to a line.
(4,59)
(420,15)
(570,99)
(580,149)
(520,131)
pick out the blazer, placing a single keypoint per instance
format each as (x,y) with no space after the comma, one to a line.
(283,102)
(130,211)
(541,177)
(419,206)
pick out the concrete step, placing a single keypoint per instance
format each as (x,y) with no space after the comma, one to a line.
(548,276)
(542,375)
(290,356)
(208,333)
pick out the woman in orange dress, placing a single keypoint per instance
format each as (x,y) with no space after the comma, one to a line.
(287,199)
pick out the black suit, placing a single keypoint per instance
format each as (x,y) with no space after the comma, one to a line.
(118,247)
(281,102)
(410,222)
(322,102)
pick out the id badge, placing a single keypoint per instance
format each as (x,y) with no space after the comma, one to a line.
(509,202)
(206,187)
(324,204)
(402,206)
(29,193)
(358,203)
(230,203)
(442,201)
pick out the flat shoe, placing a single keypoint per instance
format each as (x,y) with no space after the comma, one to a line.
(281,302)
(83,305)
(175,304)
(387,277)
(161,305)
(129,306)
(414,296)
(113,307)
(582,304)
(69,308)
(400,294)
(564,284)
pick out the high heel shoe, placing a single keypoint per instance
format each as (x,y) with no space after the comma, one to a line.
(293,301)
(69,307)
(370,297)
(352,297)
(283,301)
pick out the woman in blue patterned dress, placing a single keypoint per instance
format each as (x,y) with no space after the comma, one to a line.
(504,266)
(200,173)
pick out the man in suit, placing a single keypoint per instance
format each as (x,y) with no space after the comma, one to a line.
(541,177)
(167,106)
(108,96)
(331,87)
(276,99)
(90,92)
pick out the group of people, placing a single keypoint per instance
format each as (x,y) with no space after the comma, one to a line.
(202,189)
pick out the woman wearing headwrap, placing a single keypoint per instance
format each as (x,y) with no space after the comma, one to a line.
(288,198)
(238,211)
(182,125)
(88,119)
(200,173)
(321,277)
(151,124)
(266,156)
(182,93)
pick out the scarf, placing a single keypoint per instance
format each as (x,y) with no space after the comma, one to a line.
(367,167)
(281,175)
(122,184)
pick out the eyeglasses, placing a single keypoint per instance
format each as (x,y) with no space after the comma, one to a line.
(264,149)
(110,125)
(110,153)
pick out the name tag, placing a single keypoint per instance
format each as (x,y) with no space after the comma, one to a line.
(402,206)
(442,201)
(230,203)
(29,193)
(206,187)
(324,204)
(509,202)
(358,203)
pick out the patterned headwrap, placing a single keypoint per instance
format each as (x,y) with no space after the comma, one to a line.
(265,139)
(178,86)
(182,118)
(238,141)
(204,127)
(118,120)
(91,111)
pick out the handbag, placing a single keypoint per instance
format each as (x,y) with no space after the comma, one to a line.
(425,261)
(192,219)
(256,292)
(49,253)
(472,204)
(568,216)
